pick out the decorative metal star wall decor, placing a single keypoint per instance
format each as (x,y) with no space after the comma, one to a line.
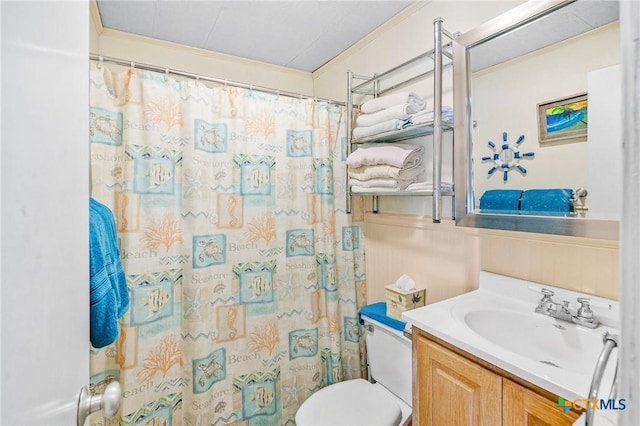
(506,157)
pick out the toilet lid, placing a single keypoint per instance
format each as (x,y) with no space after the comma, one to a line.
(352,402)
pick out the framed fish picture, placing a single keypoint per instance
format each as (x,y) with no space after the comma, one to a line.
(563,119)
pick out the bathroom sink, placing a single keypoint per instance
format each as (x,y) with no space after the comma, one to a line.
(498,323)
(539,338)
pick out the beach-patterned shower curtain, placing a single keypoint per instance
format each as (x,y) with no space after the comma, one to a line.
(245,273)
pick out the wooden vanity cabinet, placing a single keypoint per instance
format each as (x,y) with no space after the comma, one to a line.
(452,388)
(521,406)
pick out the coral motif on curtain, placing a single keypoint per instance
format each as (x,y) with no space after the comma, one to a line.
(245,272)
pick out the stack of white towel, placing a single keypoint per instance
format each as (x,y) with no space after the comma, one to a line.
(389,167)
(394,112)
(380,167)
(387,113)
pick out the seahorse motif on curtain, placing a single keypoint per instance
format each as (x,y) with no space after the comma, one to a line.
(245,272)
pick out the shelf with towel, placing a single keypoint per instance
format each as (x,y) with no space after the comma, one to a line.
(388,116)
(415,131)
(421,193)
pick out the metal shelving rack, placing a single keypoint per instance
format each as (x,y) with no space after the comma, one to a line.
(436,60)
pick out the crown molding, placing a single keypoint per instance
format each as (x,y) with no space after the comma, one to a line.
(95,16)
(183,49)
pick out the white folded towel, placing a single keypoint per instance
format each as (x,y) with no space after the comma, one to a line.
(384,183)
(400,111)
(381,183)
(386,101)
(363,189)
(426,116)
(385,171)
(376,129)
(393,154)
(428,186)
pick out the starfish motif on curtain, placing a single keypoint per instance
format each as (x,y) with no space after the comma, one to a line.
(350,371)
(194,183)
(194,305)
(286,187)
(292,392)
(286,287)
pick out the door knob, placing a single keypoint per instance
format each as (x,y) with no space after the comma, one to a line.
(109,401)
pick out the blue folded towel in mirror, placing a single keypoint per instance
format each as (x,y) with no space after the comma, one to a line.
(501,200)
(558,200)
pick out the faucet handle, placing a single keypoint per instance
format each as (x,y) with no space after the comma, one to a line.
(545,304)
(584,312)
(585,315)
(546,296)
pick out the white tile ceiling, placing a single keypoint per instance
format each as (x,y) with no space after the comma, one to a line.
(296,34)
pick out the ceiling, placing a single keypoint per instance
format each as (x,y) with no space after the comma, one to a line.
(302,35)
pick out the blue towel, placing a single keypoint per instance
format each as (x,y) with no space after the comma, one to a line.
(501,200)
(116,272)
(558,200)
(109,297)
(378,311)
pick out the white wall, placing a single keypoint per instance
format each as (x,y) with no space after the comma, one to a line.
(505,98)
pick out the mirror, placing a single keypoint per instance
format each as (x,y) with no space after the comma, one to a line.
(536,148)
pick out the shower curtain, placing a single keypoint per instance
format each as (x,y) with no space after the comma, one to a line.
(244,271)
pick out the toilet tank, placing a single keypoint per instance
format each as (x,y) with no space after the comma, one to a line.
(389,357)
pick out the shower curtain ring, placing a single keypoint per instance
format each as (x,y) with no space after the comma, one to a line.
(166,74)
(100,62)
(278,95)
(251,90)
(225,85)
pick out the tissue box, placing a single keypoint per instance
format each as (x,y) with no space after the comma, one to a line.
(399,301)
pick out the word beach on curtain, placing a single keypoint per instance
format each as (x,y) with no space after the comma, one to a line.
(245,274)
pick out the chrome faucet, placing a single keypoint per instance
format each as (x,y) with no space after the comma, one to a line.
(584,315)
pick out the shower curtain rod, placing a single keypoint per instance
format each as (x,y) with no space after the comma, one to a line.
(147,67)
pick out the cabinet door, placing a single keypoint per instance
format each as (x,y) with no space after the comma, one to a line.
(522,407)
(451,390)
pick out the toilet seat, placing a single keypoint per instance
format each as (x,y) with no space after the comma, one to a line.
(349,403)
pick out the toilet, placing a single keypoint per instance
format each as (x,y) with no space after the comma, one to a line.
(358,402)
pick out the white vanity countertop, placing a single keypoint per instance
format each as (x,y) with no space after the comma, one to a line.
(527,336)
